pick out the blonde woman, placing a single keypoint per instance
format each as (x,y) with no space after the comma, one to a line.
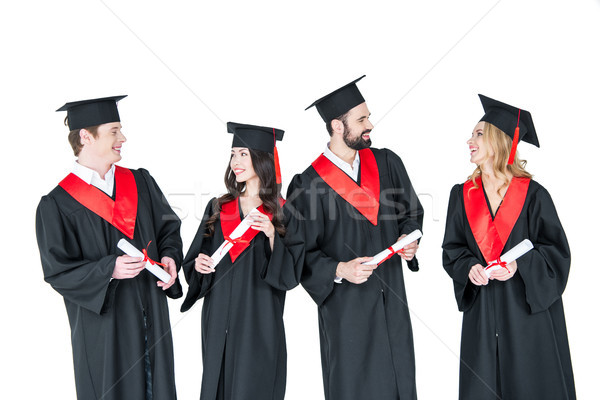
(514,339)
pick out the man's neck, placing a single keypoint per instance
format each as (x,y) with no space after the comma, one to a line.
(342,151)
(101,167)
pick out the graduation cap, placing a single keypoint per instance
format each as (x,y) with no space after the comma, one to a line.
(515,122)
(257,138)
(339,101)
(86,113)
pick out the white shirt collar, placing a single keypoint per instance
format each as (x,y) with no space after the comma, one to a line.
(91,177)
(351,170)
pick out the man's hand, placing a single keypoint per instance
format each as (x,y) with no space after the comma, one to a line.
(502,274)
(127,267)
(171,268)
(409,250)
(355,271)
(477,275)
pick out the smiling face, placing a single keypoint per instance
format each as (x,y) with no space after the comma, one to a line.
(480,150)
(106,146)
(241,164)
(357,127)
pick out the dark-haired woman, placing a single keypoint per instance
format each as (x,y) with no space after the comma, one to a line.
(243,338)
(514,339)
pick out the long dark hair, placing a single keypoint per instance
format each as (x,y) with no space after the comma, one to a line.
(269,192)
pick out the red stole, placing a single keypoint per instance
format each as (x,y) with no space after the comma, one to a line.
(492,235)
(121,212)
(230,219)
(365,198)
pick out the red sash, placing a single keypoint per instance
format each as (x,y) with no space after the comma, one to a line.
(120,213)
(230,219)
(365,198)
(492,235)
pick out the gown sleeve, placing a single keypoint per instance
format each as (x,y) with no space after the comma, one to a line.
(545,269)
(318,273)
(80,281)
(284,267)
(167,225)
(198,284)
(457,257)
(409,209)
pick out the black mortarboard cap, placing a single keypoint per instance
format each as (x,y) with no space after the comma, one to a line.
(254,137)
(86,113)
(339,101)
(505,117)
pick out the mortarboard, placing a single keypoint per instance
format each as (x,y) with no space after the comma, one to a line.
(86,113)
(257,138)
(513,121)
(339,101)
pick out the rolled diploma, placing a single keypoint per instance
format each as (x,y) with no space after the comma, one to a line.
(510,255)
(130,250)
(237,232)
(399,245)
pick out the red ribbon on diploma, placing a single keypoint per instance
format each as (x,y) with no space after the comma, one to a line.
(392,252)
(233,241)
(146,258)
(498,262)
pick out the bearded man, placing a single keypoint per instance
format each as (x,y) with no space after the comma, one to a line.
(355,201)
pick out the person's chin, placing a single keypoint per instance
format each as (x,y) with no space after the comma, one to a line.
(364,144)
(476,160)
(115,158)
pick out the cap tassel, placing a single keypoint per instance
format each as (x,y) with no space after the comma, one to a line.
(277,170)
(515,142)
(276,159)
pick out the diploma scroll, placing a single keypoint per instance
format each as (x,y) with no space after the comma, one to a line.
(236,234)
(396,247)
(509,256)
(130,250)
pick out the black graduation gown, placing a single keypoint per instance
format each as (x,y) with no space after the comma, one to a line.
(78,250)
(243,337)
(514,338)
(365,330)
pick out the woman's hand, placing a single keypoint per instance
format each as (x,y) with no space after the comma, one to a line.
(503,274)
(477,275)
(204,264)
(261,222)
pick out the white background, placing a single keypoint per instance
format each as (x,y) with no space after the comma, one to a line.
(189,67)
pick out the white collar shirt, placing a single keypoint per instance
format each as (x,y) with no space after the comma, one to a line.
(91,177)
(350,170)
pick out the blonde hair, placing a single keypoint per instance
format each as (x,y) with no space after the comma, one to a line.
(500,144)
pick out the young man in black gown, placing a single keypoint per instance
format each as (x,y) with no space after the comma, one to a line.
(356,201)
(120,330)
